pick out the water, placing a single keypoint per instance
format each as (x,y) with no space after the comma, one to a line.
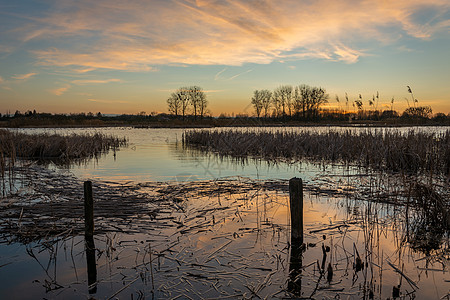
(157,155)
(227,238)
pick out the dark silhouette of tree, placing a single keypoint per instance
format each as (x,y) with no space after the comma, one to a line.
(266,96)
(185,97)
(277,105)
(318,98)
(197,99)
(301,98)
(283,98)
(181,100)
(174,104)
(257,102)
(203,104)
(309,99)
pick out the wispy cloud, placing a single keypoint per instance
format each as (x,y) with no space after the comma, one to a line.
(141,35)
(217,76)
(237,75)
(108,101)
(220,75)
(95,81)
(346,54)
(61,90)
(23,76)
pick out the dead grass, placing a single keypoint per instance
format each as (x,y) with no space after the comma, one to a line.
(411,152)
(53,146)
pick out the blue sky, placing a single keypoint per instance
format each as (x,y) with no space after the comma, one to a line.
(128,56)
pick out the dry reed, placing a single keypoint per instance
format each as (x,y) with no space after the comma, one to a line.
(52,146)
(411,152)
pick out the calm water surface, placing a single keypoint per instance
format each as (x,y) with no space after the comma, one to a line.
(157,155)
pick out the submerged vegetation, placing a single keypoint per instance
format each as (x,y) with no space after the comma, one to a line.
(414,151)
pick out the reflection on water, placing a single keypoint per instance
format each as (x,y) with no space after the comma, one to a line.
(91,264)
(231,239)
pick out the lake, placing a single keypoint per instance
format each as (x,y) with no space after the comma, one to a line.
(216,227)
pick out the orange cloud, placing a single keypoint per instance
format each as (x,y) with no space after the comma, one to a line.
(139,35)
(24,76)
(94,81)
(108,101)
(60,91)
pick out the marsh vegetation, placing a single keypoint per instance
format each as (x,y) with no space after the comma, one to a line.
(413,151)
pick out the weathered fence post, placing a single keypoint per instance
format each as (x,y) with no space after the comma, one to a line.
(89,237)
(88,210)
(296,260)
(296,204)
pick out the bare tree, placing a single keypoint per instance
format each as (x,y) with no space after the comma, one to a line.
(203,103)
(174,104)
(183,96)
(276,103)
(309,99)
(197,99)
(319,97)
(266,101)
(283,97)
(257,102)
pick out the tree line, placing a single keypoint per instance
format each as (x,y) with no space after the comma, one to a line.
(188,100)
(288,101)
(304,101)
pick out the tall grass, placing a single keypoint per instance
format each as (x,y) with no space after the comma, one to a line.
(412,152)
(53,146)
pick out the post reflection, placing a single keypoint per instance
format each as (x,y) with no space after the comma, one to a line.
(295,268)
(91,264)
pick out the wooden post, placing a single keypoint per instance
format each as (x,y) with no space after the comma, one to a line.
(296,257)
(88,210)
(89,237)
(296,204)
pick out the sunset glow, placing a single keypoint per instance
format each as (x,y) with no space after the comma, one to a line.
(127,56)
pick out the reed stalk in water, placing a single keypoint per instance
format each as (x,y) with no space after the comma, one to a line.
(412,152)
(53,146)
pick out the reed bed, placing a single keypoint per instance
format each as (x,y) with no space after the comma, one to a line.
(64,148)
(411,152)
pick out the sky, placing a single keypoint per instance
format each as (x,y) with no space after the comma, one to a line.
(115,57)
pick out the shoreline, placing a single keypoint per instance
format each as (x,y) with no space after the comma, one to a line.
(231,125)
